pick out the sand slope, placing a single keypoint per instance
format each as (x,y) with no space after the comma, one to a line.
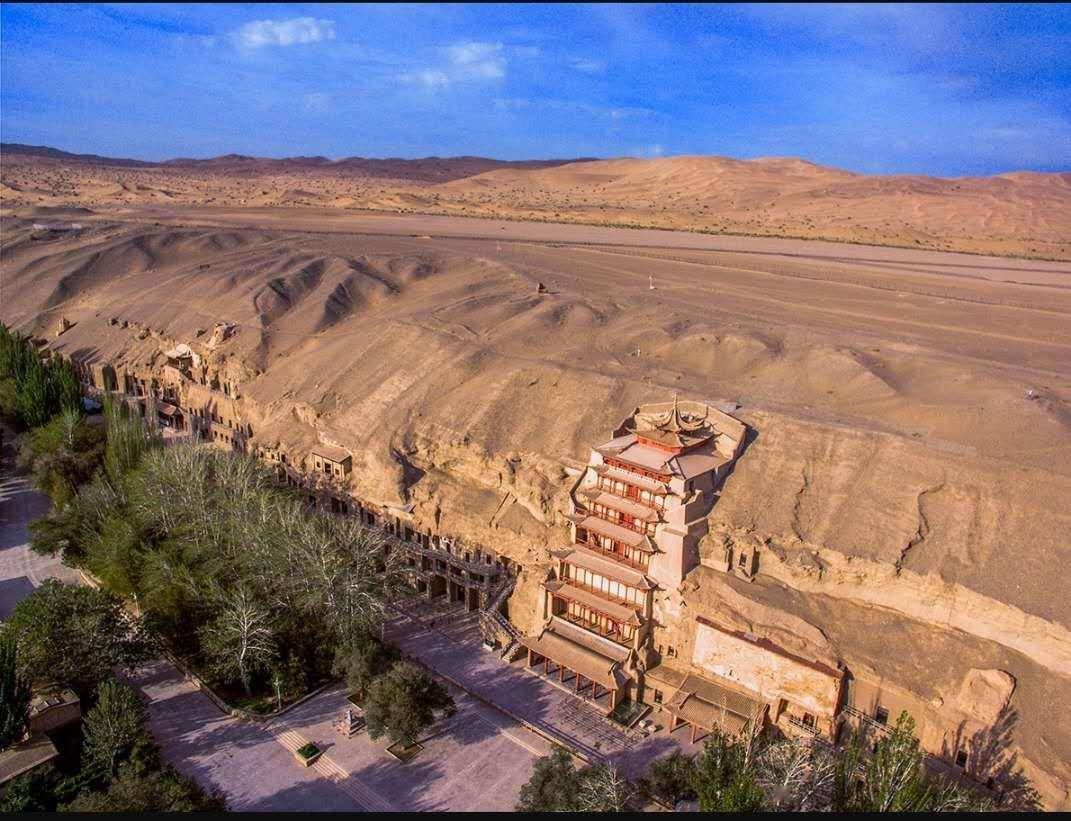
(1022,213)
(1017,214)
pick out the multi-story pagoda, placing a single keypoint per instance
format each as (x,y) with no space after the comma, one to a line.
(638,512)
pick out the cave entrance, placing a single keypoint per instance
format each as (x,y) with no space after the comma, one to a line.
(437,587)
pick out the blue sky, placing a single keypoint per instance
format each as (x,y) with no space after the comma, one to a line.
(948,90)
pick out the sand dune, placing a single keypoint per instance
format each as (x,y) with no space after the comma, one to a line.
(1018,214)
(1028,214)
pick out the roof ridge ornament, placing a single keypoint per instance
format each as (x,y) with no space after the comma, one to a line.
(673,421)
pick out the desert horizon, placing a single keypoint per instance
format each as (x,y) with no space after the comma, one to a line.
(1020,214)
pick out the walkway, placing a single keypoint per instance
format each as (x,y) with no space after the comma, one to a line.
(448,641)
(21,570)
(475,761)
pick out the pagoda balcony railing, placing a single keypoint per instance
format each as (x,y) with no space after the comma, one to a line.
(640,528)
(602,594)
(612,554)
(810,729)
(489,571)
(614,635)
(418,571)
(612,473)
(452,574)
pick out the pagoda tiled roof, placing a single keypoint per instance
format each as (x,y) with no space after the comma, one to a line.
(587,558)
(629,507)
(615,532)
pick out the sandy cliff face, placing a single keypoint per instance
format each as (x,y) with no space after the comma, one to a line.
(905,485)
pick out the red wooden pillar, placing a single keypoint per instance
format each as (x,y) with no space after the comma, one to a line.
(561,673)
(693,734)
(578,682)
(529,656)
(546,663)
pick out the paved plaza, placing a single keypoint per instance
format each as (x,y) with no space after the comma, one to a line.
(446,639)
(475,761)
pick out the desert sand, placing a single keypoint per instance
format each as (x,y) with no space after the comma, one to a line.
(1015,214)
(910,465)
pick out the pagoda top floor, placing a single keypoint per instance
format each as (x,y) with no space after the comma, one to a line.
(675,439)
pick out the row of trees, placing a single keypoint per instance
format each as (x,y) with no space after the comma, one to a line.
(78,637)
(33,390)
(749,774)
(229,568)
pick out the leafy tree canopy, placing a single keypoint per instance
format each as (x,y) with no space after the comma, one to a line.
(74,636)
(113,726)
(14,694)
(402,703)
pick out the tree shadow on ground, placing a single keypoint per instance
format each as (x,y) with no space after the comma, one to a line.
(993,760)
(320,795)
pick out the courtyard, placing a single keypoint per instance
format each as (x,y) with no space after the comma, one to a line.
(446,639)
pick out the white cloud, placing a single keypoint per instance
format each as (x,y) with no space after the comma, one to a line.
(316,101)
(589,66)
(477,60)
(465,62)
(428,79)
(260,33)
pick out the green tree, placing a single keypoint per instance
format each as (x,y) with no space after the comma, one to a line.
(127,440)
(239,641)
(75,636)
(9,401)
(725,779)
(554,785)
(69,531)
(402,703)
(157,791)
(671,779)
(66,389)
(113,726)
(362,660)
(14,694)
(35,407)
(41,388)
(63,454)
(34,791)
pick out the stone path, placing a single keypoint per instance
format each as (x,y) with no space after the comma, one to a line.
(21,570)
